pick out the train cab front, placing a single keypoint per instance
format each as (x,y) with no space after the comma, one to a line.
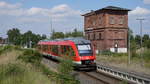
(86,57)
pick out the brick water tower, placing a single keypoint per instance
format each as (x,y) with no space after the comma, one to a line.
(107,28)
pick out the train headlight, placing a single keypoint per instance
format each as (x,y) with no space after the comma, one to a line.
(94,61)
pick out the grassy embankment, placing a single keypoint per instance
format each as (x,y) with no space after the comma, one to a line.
(19,66)
(121,60)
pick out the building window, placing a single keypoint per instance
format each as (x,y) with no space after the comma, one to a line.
(93,36)
(121,20)
(96,36)
(100,36)
(94,23)
(87,19)
(100,20)
(88,37)
(111,20)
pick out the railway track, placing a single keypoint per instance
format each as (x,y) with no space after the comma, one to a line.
(86,78)
(130,77)
(83,77)
(103,75)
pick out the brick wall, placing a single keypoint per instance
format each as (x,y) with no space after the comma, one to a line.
(107,28)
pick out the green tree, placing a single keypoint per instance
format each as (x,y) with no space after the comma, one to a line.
(56,35)
(130,32)
(43,36)
(148,43)
(145,40)
(0,38)
(32,39)
(68,34)
(138,40)
(14,36)
(77,33)
(145,37)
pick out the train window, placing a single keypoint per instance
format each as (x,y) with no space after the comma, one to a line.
(45,47)
(85,50)
(67,50)
(54,49)
(71,51)
(42,48)
(49,48)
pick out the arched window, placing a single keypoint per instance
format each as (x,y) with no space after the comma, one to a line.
(111,20)
(100,20)
(121,20)
(100,36)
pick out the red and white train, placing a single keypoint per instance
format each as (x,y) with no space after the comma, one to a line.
(80,50)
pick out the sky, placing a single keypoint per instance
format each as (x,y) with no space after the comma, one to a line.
(41,16)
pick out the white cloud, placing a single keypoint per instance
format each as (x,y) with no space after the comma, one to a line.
(139,11)
(7,5)
(39,18)
(63,10)
(56,12)
(60,8)
(30,19)
(37,11)
(147,1)
(136,13)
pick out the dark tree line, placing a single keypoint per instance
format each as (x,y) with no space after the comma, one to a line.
(26,39)
(30,39)
(75,33)
(136,41)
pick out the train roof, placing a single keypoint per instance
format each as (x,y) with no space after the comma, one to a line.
(77,40)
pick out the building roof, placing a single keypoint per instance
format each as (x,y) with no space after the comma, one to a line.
(114,8)
(107,8)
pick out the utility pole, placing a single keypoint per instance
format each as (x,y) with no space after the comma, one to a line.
(129,54)
(141,51)
(51,25)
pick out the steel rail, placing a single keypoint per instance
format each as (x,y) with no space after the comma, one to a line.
(132,77)
(95,77)
(119,74)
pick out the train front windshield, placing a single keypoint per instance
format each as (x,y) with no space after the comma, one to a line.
(85,50)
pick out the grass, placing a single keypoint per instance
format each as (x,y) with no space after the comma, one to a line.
(8,48)
(121,61)
(18,73)
(14,71)
(23,66)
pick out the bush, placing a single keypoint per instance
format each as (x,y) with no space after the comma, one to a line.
(9,48)
(19,73)
(31,56)
(146,55)
(65,68)
(109,53)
